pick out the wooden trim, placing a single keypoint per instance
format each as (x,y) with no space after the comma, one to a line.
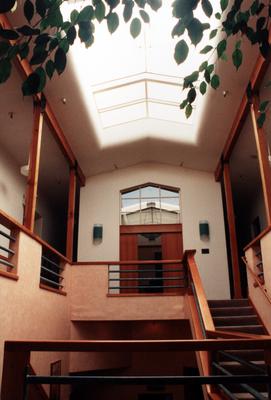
(258,238)
(232,232)
(70,217)
(180,292)
(42,395)
(33,175)
(50,289)
(256,78)
(9,275)
(162,186)
(25,69)
(201,296)
(11,223)
(158,228)
(259,284)
(134,262)
(135,345)
(262,151)
(234,335)
(258,315)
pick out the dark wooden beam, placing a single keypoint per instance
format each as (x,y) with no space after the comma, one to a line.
(262,151)
(33,174)
(70,220)
(232,231)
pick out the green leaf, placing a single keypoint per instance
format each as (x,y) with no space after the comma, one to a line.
(28,10)
(6,5)
(237,58)
(238,44)
(188,110)
(43,39)
(195,31)
(218,15)
(213,34)
(203,87)
(85,32)
(210,68)
(41,7)
(64,45)
(206,49)
(26,30)
(73,16)
(178,29)
(207,75)
(188,80)
(55,18)
(181,52)
(23,50)
(31,84)
(42,75)
(263,105)
(215,81)
(254,7)
(207,7)
(86,14)
(60,60)
(181,8)
(144,16)
(128,10)
(155,4)
(50,68)
(71,35)
(4,46)
(112,3)
(261,119)
(221,47)
(224,4)
(5,69)
(53,44)
(141,3)
(99,11)
(39,56)
(191,95)
(8,34)
(224,57)
(183,104)
(135,27)
(203,66)
(112,22)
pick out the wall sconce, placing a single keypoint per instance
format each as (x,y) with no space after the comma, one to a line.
(97,233)
(204,232)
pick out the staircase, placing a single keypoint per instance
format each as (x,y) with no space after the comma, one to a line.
(239,316)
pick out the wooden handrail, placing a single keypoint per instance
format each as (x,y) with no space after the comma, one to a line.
(129,262)
(257,238)
(136,345)
(11,223)
(233,335)
(259,283)
(200,293)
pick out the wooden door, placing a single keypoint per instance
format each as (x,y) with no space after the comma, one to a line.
(172,249)
(128,252)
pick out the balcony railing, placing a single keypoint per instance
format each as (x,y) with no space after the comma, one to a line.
(146,277)
(8,246)
(52,267)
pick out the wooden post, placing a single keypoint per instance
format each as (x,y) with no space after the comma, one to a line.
(232,231)
(71,210)
(33,175)
(262,151)
(13,378)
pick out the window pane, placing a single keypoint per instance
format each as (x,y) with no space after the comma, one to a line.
(130,205)
(132,194)
(170,217)
(169,193)
(170,203)
(150,191)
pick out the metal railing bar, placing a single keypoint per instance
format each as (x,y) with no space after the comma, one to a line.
(7,250)
(8,264)
(241,361)
(248,388)
(227,392)
(142,380)
(52,282)
(52,272)
(148,287)
(146,270)
(147,279)
(12,238)
(51,262)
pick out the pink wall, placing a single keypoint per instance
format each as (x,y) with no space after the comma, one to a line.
(89,300)
(28,312)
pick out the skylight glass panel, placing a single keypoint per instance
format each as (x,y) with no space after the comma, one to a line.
(164,91)
(123,115)
(168,112)
(120,95)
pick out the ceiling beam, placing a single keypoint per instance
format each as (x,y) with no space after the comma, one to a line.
(58,133)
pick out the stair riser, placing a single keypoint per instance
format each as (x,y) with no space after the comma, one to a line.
(228,303)
(233,321)
(232,311)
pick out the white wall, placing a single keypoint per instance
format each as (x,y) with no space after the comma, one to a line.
(12,187)
(200,200)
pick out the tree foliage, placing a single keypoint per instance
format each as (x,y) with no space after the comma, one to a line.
(45,37)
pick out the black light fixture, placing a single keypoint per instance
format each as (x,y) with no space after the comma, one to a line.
(97,232)
(204,231)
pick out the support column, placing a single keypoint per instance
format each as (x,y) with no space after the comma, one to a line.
(71,210)
(262,151)
(34,162)
(232,231)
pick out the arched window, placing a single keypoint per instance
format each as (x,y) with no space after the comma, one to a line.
(150,204)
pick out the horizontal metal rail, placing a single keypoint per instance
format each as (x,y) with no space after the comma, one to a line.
(51,282)
(230,395)
(148,287)
(242,362)
(7,249)
(6,235)
(7,263)
(147,380)
(51,262)
(111,271)
(148,279)
(51,272)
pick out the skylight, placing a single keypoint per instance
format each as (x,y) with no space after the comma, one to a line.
(133,86)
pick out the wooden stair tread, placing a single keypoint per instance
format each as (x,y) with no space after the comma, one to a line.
(232,311)
(228,303)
